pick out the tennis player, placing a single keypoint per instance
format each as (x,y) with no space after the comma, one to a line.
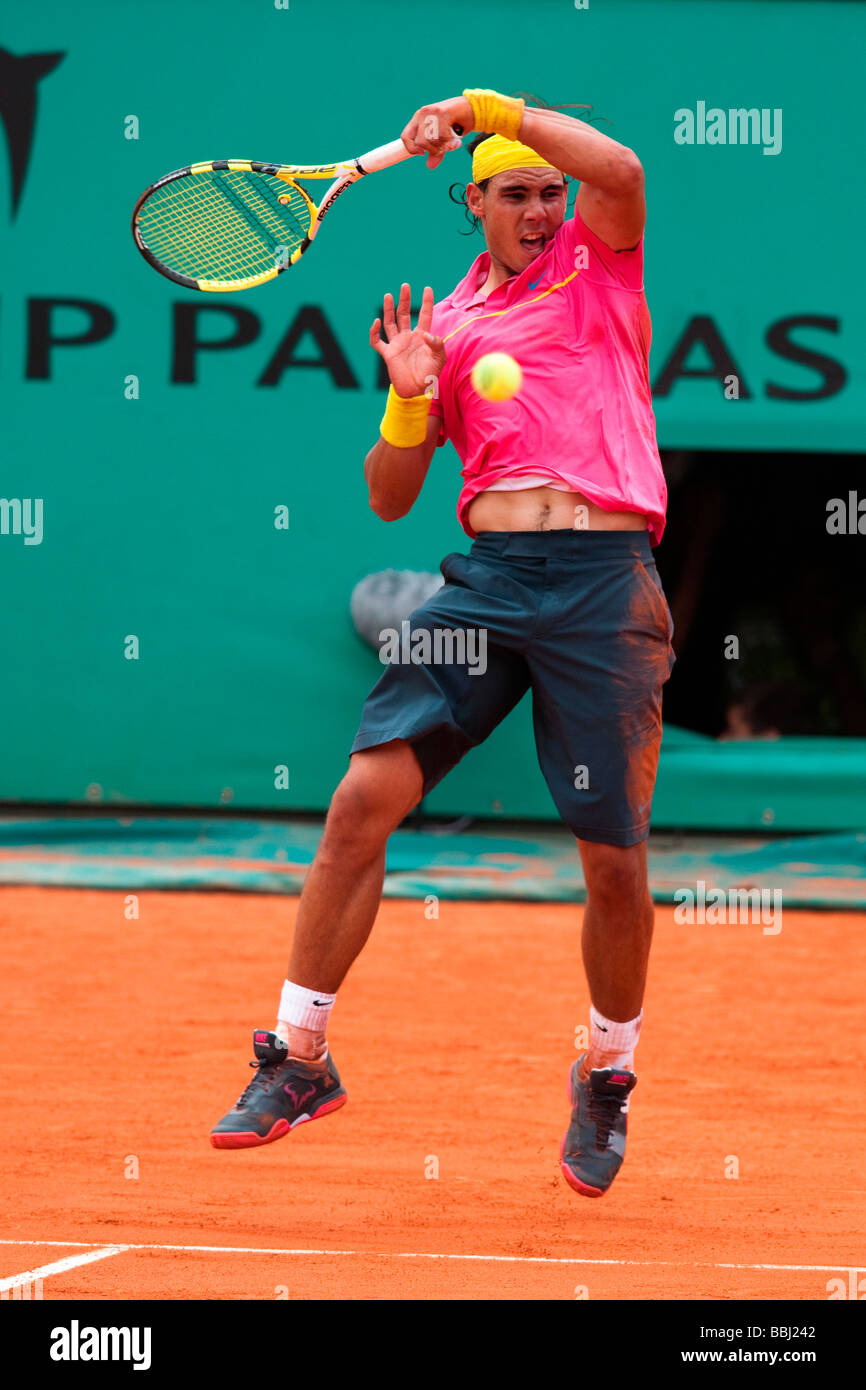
(563,496)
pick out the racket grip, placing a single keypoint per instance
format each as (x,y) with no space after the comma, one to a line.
(383,156)
(393,153)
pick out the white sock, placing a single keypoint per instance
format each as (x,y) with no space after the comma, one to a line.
(302,1018)
(613,1043)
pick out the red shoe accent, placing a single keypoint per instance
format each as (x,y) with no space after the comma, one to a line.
(247,1140)
(574,1182)
(328,1107)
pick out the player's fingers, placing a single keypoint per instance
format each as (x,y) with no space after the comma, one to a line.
(425,317)
(436,346)
(439,148)
(375,335)
(388,321)
(404,303)
(408,136)
(433,131)
(429,130)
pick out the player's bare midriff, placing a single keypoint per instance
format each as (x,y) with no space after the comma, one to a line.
(546,509)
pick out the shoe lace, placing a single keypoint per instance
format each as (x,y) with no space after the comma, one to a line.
(604,1112)
(266,1075)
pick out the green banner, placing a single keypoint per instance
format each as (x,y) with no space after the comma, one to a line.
(183,510)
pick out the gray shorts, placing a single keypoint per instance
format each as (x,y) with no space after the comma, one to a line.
(578,617)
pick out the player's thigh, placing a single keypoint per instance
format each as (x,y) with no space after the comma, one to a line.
(464,708)
(597,704)
(456,671)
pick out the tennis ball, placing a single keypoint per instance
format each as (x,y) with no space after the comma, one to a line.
(496,376)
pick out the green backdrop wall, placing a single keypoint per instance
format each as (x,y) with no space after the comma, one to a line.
(158,512)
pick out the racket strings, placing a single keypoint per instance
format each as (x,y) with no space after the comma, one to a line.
(224,224)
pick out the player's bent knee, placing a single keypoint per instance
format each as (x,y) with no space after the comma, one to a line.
(350,832)
(388,775)
(376,794)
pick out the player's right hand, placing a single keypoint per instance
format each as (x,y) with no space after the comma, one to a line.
(431,129)
(414,356)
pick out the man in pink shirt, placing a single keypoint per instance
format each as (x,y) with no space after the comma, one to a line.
(563,495)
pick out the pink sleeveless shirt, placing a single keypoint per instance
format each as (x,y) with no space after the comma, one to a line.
(576,320)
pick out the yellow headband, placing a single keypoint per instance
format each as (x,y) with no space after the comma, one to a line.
(496,154)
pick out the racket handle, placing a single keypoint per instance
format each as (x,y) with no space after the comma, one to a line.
(393,153)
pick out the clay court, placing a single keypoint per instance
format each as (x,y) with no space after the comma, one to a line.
(125,1040)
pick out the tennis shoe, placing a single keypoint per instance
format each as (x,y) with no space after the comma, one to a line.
(594,1143)
(285,1092)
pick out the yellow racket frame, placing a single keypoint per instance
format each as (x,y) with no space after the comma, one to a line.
(341,175)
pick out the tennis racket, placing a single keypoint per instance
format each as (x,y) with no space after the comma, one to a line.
(231,224)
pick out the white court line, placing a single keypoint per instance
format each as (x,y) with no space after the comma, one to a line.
(423,1255)
(59,1266)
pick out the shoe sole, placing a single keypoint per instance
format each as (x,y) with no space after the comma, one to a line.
(248,1139)
(574,1181)
(571,1178)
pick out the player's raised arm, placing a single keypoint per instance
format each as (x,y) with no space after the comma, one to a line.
(611,195)
(397,464)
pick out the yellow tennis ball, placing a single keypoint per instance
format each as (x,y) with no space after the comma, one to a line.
(496,376)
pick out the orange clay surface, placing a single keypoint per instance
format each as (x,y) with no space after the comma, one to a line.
(126,1040)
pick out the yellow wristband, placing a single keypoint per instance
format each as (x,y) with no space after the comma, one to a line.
(404,423)
(493,112)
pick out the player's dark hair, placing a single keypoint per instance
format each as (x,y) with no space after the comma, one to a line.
(459,196)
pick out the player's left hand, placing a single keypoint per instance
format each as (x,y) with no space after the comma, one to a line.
(430,129)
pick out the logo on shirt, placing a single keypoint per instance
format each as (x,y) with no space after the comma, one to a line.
(533,284)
